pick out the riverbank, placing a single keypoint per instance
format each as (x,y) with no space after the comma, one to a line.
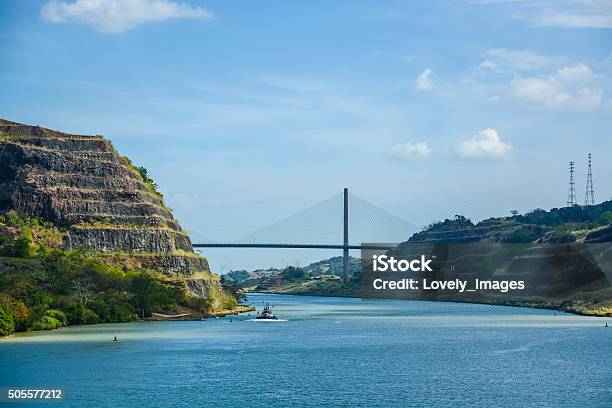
(189,314)
(594,303)
(182,316)
(234,311)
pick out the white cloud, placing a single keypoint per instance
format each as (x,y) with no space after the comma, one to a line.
(486,64)
(523,59)
(554,85)
(570,87)
(407,151)
(576,73)
(561,13)
(485,144)
(566,20)
(117,16)
(576,14)
(423,81)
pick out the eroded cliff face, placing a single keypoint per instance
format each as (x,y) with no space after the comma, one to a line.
(82,185)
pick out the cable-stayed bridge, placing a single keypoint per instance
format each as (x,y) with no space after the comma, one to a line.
(322,225)
(339,222)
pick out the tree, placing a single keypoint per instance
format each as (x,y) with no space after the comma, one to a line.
(20,311)
(81,290)
(7,322)
(605,218)
(142,287)
(20,247)
(149,294)
(145,176)
(203,305)
(235,290)
(458,222)
(293,273)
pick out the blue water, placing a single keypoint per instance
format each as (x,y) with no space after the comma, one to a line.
(330,352)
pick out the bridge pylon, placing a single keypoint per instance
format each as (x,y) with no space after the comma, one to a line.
(345,250)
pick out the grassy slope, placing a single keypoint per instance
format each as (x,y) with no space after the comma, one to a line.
(44,287)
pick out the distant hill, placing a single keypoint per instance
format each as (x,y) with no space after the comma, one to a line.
(330,266)
(243,275)
(558,225)
(333,266)
(327,269)
(566,277)
(568,224)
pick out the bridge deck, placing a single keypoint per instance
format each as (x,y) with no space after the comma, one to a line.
(298,246)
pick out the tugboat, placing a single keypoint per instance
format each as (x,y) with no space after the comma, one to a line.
(267,314)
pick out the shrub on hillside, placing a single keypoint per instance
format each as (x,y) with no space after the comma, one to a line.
(457,223)
(46,323)
(292,273)
(112,306)
(20,311)
(605,218)
(7,323)
(58,315)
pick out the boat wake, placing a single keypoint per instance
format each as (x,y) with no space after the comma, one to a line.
(267,320)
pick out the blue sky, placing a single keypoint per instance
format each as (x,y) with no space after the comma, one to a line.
(246,112)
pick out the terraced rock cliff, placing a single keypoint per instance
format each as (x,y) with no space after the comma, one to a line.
(102,202)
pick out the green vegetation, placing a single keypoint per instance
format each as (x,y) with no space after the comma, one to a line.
(44,287)
(26,237)
(150,294)
(235,289)
(239,276)
(318,288)
(7,322)
(148,181)
(600,214)
(459,222)
(292,273)
(605,218)
(144,175)
(520,236)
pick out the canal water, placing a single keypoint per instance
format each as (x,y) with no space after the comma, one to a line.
(331,352)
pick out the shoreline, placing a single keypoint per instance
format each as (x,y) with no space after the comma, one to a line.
(246,308)
(521,304)
(221,313)
(198,316)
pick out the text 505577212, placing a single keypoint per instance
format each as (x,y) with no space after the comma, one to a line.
(25,394)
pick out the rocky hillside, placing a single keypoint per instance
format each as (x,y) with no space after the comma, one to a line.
(98,198)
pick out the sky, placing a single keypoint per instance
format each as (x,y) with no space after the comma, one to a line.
(247,112)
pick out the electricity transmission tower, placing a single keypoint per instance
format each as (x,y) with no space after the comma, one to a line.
(589,196)
(571,194)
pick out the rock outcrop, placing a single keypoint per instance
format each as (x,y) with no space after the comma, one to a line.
(101,201)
